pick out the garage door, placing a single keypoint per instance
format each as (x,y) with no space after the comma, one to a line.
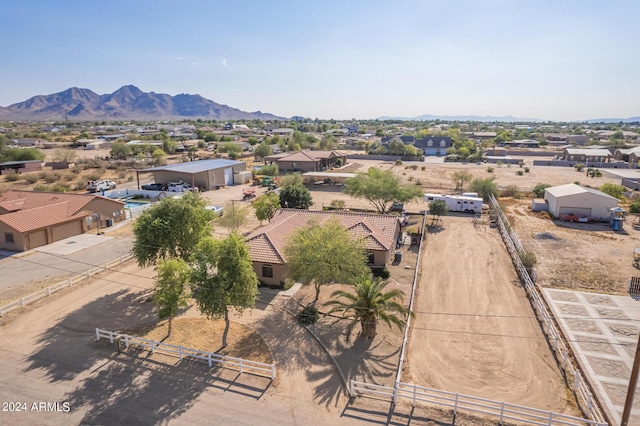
(37,239)
(580,211)
(228,176)
(67,230)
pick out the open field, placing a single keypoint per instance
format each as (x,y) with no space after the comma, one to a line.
(475,331)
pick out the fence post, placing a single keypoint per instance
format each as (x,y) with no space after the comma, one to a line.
(97,335)
(69,282)
(576,380)
(501,411)
(126,340)
(415,389)
(351,388)
(550,422)
(209,358)
(240,365)
(589,403)
(48,291)
(180,352)
(395,393)
(22,302)
(273,371)
(455,405)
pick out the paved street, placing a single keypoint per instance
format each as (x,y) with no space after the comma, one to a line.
(603,332)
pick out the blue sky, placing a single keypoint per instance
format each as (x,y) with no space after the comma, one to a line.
(556,60)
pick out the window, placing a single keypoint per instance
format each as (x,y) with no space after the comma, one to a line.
(430,143)
(443,143)
(371,258)
(8,237)
(267,271)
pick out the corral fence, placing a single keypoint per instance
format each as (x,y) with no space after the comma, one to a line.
(562,351)
(239,364)
(460,402)
(69,282)
(587,164)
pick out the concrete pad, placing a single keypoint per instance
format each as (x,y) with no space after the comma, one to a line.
(603,333)
(73,244)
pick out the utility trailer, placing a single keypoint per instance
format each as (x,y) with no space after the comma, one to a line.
(457,203)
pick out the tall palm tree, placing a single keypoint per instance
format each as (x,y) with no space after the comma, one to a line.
(369,304)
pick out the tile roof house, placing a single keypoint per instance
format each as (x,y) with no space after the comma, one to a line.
(30,219)
(307,161)
(266,245)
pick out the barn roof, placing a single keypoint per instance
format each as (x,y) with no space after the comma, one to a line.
(573,189)
(196,166)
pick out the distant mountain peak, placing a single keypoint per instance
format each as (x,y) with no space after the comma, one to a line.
(128,102)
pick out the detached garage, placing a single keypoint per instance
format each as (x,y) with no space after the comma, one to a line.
(203,174)
(578,200)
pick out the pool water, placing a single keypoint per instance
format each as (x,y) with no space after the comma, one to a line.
(130,204)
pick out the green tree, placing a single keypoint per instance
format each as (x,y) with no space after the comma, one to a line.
(368,303)
(539,189)
(266,206)
(381,188)
(295,197)
(323,254)
(21,154)
(460,178)
(159,156)
(170,291)
(262,150)
(484,187)
(269,170)
(252,140)
(410,151)
(234,216)
(612,189)
(168,145)
(211,137)
(293,179)
(438,208)
(223,278)
(233,150)
(64,155)
(328,142)
(171,228)
(396,147)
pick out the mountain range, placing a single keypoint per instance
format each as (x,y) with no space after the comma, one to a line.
(126,103)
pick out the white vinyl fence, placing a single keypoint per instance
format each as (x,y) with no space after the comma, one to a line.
(460,402)
(242,365)
(562,351)
(69,282)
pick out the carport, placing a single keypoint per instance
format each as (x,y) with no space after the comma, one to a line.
(203,174)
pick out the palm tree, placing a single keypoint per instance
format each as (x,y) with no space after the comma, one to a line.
(369,304)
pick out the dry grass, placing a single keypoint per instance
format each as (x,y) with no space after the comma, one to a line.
(206,335)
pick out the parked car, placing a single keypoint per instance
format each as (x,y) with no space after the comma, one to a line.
(216,209)
(100,185)
(179,187)
(154,187)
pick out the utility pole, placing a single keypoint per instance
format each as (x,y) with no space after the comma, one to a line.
(633,382)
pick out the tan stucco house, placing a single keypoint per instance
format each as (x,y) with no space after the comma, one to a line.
(30,219)
(266,245)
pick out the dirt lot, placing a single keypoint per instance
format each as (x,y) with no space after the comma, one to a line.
(578,256)
(475,331)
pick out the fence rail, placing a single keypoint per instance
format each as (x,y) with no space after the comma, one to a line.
(562,351)
(69,282)
(242,365)
(460,402)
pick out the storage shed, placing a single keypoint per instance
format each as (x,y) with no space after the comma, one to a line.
(579,200)
(203,174)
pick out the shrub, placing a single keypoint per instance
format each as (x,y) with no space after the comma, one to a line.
(41,187)
(95,175)
(339,162)
(398,163)
(520,164)
(308,315)
(538,190)
(12,177)
(122,174)
(519,172)
(269,170)
(612,189)
(423,168)
(130,178)
(529,260)
(81,185)
(52,177)
(579,167)
(31,178)
(489,169)
(410,178)
(510,191)
(413,167)
(60,187)
(635,207)
(526,170)
(381,272)
(337,204)
(69,177)
(418,182)
(76,170)
(288,283)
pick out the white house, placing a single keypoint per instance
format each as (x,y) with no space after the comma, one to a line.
(579,200)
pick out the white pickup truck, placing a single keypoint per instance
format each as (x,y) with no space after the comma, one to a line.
(100,185)
(178,187)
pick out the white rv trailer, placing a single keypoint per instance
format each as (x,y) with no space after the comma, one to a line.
(457,203)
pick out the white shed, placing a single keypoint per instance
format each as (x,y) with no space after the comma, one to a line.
(578,200)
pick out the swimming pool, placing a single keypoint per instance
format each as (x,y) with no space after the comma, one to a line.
(132,204)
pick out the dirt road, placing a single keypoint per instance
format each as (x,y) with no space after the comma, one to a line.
(474,331)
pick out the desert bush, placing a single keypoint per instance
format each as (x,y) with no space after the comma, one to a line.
(490,169)
(635,207)
(418,182)
(130,178)
(529,260)
(510,191)
(52,177)
(413,167)
(81,184)
(519,172)
(288,283)
(76,170)
(410,178)
(398,163)
(308,315)
(11,177)
(526,170)
(122,174)
(41,187)
(337,204)
(95,175)
(60,187)
(69,177)
(579,167)
(520,164)
(31,178)
(96,163)
(423,168)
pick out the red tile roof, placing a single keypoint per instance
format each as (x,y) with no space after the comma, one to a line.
(40,217)
(267,244)
(15,200)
